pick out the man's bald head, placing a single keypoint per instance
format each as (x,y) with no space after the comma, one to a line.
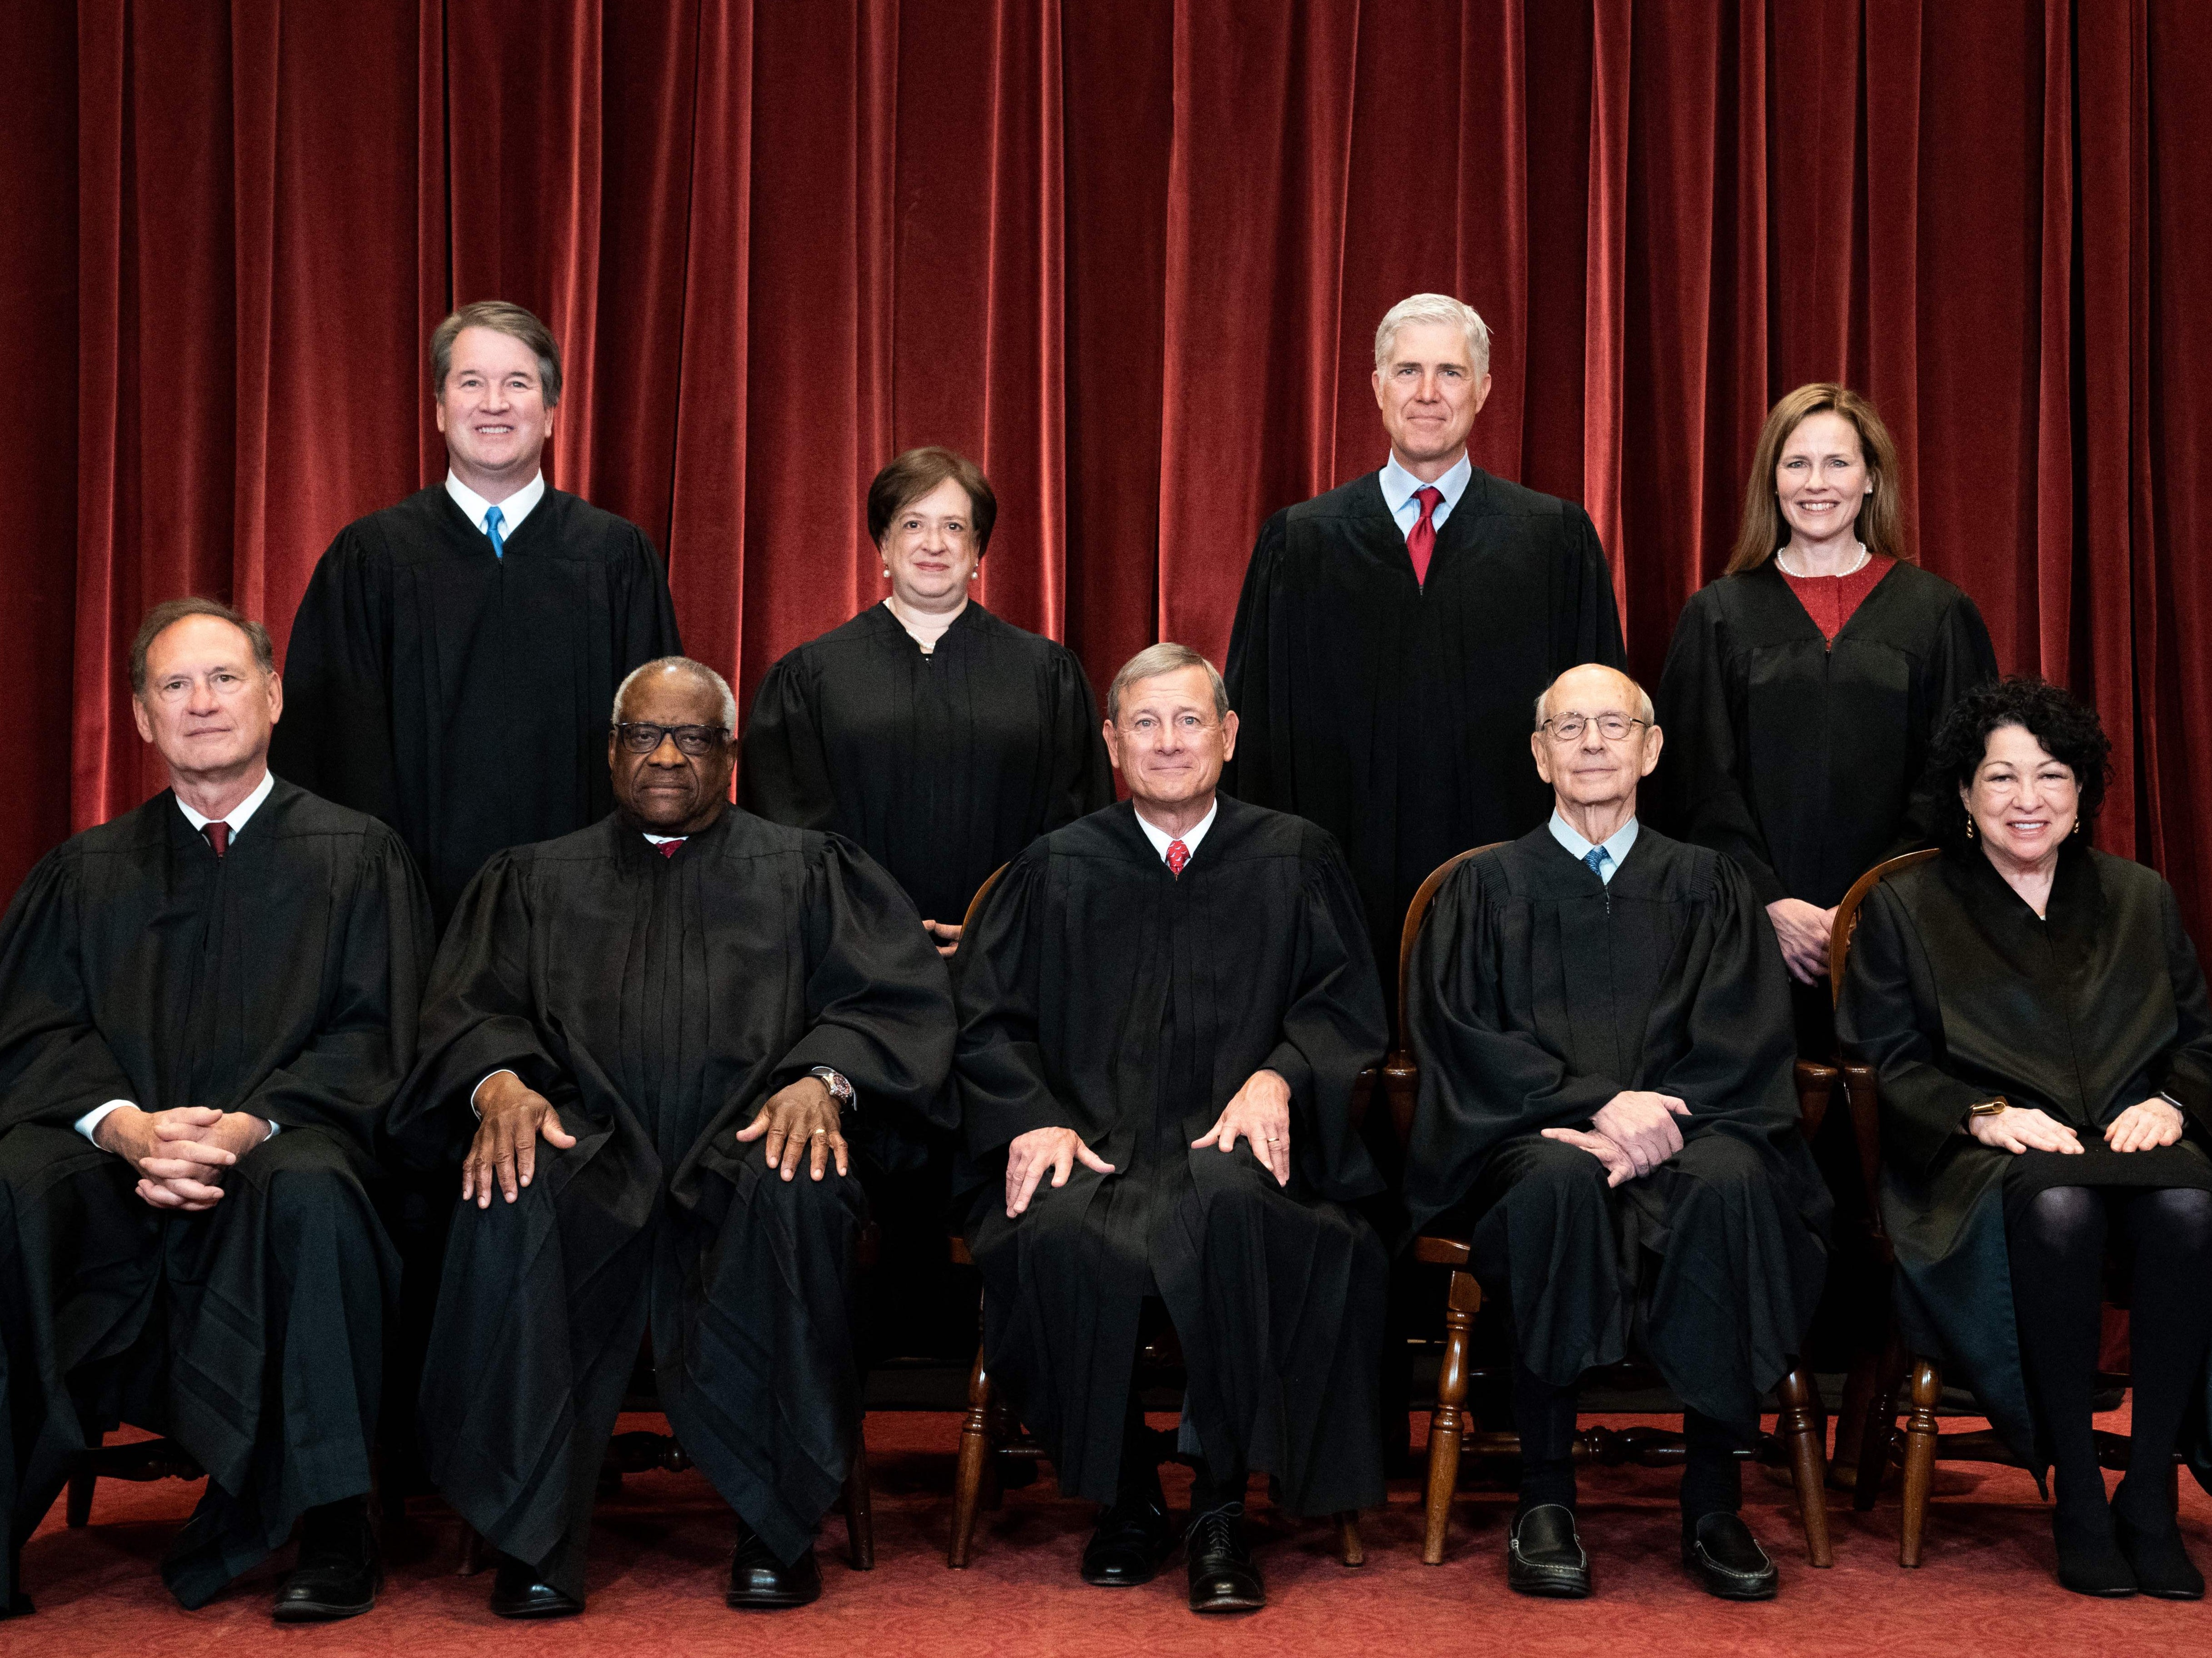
(1595,740)
(1638,699)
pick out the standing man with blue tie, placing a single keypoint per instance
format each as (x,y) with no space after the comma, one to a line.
(1392,632)
(453,659)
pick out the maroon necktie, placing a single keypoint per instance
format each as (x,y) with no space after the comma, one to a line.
(218,836)
(666,848)
(1421,539)
(1178,855)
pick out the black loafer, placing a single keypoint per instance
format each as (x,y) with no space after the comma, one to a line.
(338,1573)
(761,1583)
(1726,1559)
(1131,1541)
(1223,1578)
(1544,1557)
(517,1591)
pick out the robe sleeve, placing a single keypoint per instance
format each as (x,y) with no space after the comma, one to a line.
(783,771)
(1005,1089)
(1082,776)
(879,1003)
(1333,1030)
(1708,805)
(1738,1045)
(54,1064)
(1961,660)
(2187,1064)
(645,611)
(479,1015)
(1481,1081)
(1887,1017)
(1592,624)
(335,736)
(345,1076)
(1253,774)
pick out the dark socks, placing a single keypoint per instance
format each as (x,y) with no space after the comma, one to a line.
(334,1530)
(1544,1417)
(1211,1489)
(1712,1481)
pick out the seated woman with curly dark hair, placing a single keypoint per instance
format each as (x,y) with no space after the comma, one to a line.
(2038,1021)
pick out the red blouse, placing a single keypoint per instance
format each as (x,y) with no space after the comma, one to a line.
(1830,600)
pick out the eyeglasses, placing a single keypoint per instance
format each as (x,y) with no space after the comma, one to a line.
(1569,727)
(697,741)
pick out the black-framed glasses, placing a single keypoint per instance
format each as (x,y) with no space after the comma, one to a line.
(697,741)
(1570,727)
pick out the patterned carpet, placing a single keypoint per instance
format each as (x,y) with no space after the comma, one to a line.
(660,1547)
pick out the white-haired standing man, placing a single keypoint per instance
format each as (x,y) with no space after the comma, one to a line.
(1392,632)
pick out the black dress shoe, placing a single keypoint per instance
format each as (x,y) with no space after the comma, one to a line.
(1223,1578)
(1544,1557)
(1726,1559)
(2089,1558)
(2155,1553)
(517,1591)
(758,1581)
(1131,1539)
(339,1570)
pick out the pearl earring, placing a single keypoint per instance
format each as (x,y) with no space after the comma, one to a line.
(887,572)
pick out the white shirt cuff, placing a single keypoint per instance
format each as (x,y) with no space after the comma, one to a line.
(89,1123)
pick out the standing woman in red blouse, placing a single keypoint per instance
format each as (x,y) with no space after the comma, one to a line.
(1803,685)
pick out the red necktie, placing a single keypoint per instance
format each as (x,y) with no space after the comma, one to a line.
(1421,539)
(666,848)
(1178,855)
(218,836)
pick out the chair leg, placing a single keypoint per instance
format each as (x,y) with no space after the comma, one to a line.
(975,1454)
(1448,1424)
(1920,1431)
(1799,1427)
(1880,1431)
(82,1479)
(1350,1549)
(859,1516)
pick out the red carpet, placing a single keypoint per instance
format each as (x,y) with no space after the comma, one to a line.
(659,1546)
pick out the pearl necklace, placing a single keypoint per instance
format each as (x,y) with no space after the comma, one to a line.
(1857,564)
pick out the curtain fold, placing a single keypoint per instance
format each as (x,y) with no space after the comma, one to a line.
(1130,257)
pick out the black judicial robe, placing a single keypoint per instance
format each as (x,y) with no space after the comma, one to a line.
(941,766)
(1802,759)
(658,1002)
(464,698)
(1536,994)
(282,980)
(1099,992)
(1396,714)
(1956,990)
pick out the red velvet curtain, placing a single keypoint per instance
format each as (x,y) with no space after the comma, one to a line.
(1129,253)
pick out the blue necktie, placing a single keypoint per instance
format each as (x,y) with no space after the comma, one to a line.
(493,518)
(1597,858)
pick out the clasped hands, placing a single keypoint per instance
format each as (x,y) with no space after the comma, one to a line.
(1632,1133)
(516,1116)
(1259,1113)
(181,1154)
(2016,1128)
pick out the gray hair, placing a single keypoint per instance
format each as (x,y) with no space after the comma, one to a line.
(1644,711)
(170,611)
(1153,661)
(683,664)
(1433,309)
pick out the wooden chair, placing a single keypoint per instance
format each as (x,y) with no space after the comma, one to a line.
(1922,1443)
(988,1440)
(1799,1426)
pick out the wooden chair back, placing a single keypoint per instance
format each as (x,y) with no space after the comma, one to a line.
(1400,1077)
(1860,1097)
(975,904)
(1847,913)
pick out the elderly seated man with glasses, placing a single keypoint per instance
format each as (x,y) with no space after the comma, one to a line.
(668,1054)
(1607,1112)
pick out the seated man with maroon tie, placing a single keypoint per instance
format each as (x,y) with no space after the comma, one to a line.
(1163,1007)
(205,1006)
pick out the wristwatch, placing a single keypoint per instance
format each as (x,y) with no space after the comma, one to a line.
(840,1089)
(1990,1107)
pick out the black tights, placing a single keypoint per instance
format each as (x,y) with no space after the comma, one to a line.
(2058,1249)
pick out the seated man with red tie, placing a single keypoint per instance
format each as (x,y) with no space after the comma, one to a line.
(1163,1007)
(205,1006)
(724,1032)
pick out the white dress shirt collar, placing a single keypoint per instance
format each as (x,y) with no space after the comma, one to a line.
(1616,848)
(512,511)
(237,815)
(1399,486)
(1162,839)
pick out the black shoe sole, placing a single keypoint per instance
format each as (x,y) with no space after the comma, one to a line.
(537,1613)
(1549,1588)
(768,1603)
(319,1612)
(1120,1582)
(1228,1603)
